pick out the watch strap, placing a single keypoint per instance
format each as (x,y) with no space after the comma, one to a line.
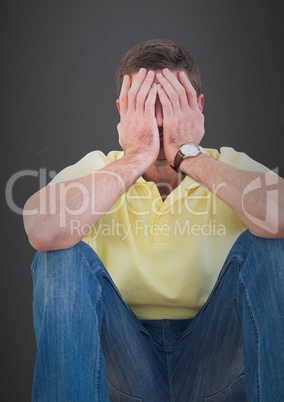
(177,162)
(179,158)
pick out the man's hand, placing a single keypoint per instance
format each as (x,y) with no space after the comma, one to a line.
(183,121)
(138,130)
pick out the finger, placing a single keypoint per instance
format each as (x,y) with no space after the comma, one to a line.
(144,91)
(165,102)
(190,91)
(150,101)
(178,87)
(170,91)
(123,96)
(135,87)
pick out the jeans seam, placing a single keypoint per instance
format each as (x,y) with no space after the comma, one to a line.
(103,273)
(97,260)
(168,353)
(170,375)
(234,258)
(99,376)
(254,325)
(97,273)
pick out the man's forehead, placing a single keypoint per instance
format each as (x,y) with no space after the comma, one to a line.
(175,72)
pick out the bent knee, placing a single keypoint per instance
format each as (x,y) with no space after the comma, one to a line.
(65,266)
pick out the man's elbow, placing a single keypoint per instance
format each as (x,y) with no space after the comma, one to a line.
(42,236)
(279,221)
(271,228)
(281,225)
(39,245)
(37,237)
(38,234)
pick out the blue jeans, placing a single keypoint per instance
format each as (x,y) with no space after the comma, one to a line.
(91,346)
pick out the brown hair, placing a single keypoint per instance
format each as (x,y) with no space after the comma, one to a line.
(157,54)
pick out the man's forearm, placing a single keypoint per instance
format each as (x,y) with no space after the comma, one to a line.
(259,207)
(49,213)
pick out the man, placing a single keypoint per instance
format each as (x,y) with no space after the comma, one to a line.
(144,311)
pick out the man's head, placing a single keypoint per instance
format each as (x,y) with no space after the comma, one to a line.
(157,54)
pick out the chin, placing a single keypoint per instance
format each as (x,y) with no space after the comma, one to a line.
(161,159)
(161,154)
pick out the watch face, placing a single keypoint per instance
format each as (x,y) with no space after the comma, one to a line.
(189,150)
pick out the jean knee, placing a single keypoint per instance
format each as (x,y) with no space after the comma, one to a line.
(261,261)
(247,243)
(61,276)
(268,252)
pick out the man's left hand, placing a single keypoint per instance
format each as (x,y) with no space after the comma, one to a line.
(183,121)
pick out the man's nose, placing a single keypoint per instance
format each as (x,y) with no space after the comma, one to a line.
(159,113)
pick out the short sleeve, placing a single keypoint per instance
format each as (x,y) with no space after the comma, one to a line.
(90,163)
(237,159)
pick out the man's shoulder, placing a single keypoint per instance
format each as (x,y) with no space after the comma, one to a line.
(97,157)
(236,158)
(88,164)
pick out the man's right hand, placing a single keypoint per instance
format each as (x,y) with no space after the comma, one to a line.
(139,138)
(138,130)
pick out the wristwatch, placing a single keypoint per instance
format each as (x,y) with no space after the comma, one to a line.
(185,151)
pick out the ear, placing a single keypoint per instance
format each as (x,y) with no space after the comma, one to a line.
(118,105)
(201,102)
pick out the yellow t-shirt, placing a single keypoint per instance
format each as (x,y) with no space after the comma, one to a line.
(164,256)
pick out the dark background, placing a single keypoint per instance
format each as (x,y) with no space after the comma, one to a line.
(58,60)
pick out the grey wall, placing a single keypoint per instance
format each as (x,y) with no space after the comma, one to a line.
(58,60)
